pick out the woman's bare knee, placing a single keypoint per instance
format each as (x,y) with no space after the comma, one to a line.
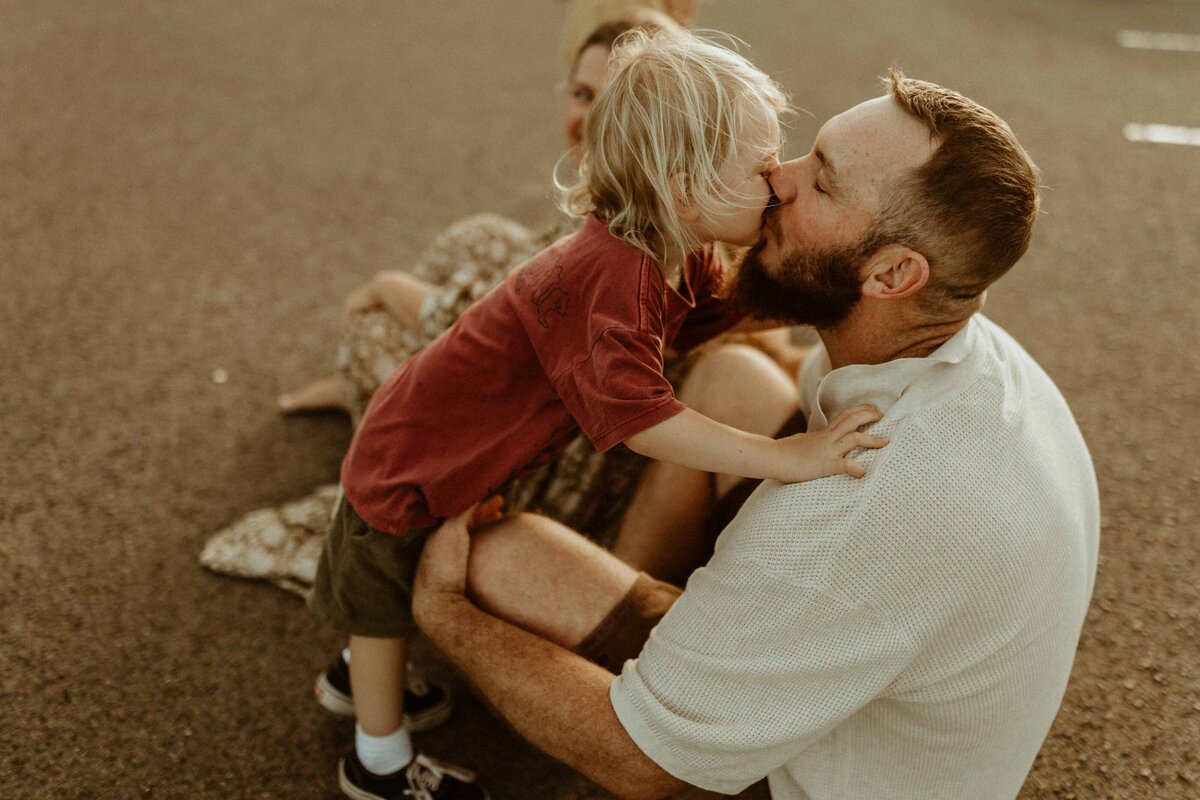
(742,387)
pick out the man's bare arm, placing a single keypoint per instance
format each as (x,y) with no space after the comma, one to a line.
(553,697)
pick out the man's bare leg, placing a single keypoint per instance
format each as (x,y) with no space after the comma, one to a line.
(545,578)
(551,581)
(663,530)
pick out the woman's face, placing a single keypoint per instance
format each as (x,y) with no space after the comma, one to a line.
(587,76)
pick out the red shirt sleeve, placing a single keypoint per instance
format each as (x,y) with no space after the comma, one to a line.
(619,390)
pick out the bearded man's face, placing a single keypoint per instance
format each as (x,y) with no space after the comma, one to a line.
(806,286)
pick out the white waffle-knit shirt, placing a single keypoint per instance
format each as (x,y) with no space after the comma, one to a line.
(907,635)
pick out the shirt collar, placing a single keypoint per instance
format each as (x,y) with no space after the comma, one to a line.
(892,387)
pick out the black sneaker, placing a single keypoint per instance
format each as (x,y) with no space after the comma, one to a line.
(426,703)
(423,779)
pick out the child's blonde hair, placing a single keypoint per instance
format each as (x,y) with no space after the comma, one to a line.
(668,119)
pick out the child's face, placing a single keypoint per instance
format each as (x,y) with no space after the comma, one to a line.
(587,77)
(746,177)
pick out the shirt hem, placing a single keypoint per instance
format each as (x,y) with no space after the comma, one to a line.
(390,528)
(653,749)
(667,408)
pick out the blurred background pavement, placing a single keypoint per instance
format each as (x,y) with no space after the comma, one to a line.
(188,188)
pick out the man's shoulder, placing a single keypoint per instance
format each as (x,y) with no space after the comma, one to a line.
(956,469)
(985,402)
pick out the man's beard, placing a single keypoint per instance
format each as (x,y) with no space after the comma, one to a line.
(809,287)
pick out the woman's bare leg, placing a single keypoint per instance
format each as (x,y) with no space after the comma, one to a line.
(320,395)
(663,532)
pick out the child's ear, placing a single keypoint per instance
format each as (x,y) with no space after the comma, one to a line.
(681,193)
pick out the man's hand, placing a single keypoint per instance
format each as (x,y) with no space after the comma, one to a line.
(807,456)
(442,573)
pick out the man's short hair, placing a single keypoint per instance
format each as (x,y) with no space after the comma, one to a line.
(970,208)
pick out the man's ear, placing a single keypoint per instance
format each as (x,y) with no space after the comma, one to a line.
(895,271)
(681,193)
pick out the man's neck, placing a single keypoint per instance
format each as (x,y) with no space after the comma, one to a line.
(867,337)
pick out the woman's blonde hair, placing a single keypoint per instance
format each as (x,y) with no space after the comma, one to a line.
(670,116)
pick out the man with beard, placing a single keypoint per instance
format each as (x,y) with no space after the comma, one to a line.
(908,635)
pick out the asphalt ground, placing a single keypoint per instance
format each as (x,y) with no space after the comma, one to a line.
(188,188)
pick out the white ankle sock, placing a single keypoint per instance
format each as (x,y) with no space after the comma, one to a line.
(383,755)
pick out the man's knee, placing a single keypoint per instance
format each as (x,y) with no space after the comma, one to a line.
(545,577)
(499,551)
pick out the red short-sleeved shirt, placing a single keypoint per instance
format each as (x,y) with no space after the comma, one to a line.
(573,339)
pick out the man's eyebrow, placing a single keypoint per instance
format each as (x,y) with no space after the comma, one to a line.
(831,175)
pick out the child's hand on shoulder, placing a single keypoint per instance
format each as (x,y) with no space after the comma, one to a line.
(808,456)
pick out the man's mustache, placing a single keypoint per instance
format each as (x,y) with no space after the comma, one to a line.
(770,218)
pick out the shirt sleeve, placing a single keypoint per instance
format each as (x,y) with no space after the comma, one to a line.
(619,389)
(747,670)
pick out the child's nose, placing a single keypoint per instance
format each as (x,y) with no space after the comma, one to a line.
(783,181)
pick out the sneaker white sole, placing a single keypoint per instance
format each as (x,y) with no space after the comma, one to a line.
(331,699)
(431,717)
(349,789)
(341,704)
(355,793)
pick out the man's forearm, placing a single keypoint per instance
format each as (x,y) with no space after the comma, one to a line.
(553,697)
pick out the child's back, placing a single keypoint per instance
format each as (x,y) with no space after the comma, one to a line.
(572,340)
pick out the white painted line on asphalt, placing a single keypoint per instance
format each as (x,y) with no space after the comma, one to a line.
(1145,40)
(1162,134)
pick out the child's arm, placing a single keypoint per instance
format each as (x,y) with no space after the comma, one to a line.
(691,439)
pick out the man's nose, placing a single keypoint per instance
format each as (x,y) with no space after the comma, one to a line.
(783,181)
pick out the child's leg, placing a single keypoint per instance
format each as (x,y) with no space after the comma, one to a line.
(377,672)
(364,583)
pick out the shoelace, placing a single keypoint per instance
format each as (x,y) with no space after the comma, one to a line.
(425,776)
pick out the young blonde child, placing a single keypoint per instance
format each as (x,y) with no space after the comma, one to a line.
(678,150)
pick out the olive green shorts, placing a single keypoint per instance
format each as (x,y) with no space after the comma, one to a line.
(365,577)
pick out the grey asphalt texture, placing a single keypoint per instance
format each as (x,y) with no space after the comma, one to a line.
(191,187)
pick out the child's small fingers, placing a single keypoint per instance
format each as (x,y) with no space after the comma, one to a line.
(861,407)
(487,512)
(854,418)
(853,468)
(864,410)
(858,439)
